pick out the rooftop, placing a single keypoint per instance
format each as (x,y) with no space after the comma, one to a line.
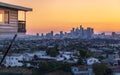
(6,5)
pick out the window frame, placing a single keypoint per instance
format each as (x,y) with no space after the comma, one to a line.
(2,16)
(8,17)
(5,14)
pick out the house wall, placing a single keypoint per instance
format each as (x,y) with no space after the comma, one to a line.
(13,61)
(12,27)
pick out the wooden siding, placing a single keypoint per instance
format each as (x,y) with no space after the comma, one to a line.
(12,27)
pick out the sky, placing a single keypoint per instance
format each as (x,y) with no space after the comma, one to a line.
(62,15)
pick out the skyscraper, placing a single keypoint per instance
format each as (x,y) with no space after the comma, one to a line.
(81,31)
(61,34)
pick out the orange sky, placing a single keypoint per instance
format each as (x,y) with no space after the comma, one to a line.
(57,15)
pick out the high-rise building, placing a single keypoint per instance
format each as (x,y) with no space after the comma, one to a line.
(61,34)
(52,33)
(42,34)
(114,34)
(81,31)
(77,31)
(72,32)
(90,32)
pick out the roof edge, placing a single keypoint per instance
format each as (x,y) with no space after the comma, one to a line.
(2,4)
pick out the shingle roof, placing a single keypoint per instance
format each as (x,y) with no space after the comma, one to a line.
(6,5)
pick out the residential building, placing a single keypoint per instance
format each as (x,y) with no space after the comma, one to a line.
(9,22)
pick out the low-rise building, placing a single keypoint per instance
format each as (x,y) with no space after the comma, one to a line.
(82,70)
(91,61)
(13,60)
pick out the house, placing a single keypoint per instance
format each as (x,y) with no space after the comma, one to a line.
(81,70)
(13,60)
(91,61)
(114,56)
(38,53)
(35,62)
(9,23)
(116,70)
(110,62)
(113,65)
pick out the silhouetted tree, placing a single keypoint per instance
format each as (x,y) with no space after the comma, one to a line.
(35,56)
(101,69)
(53,52)
(80,61)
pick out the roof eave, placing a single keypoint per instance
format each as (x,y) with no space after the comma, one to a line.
(26,10)
(15,7)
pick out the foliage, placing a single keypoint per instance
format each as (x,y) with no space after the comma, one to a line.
(66,67)
(9,73)
(101,58)
(35,56)
(48,66)
(44,66)
(119,62)
(101,69)
(80,61)
(85,53)
(53,52)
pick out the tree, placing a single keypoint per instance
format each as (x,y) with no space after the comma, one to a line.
(83,53)
(119,62)
(101,58)
(44,66)
(80,61)
(49,66)
(101,69)
(53,52)
(66,67)
(108,71)
(35,56)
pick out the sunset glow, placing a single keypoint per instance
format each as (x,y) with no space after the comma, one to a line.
(57,15)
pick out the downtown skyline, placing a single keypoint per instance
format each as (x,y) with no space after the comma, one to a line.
(62,15)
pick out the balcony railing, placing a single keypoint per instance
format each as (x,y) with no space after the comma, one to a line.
(21,26)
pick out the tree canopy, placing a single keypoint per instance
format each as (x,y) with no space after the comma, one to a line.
(101,69)
(53,52)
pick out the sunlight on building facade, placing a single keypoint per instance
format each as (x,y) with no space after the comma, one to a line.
(1,16)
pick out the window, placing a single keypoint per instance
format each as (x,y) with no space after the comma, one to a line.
(1,16)
(4,16)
